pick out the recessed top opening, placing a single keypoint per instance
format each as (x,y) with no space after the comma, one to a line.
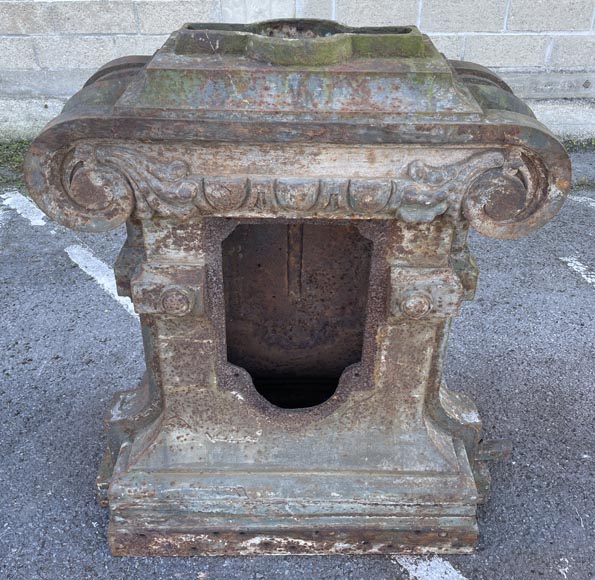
(300,41)
(298,28)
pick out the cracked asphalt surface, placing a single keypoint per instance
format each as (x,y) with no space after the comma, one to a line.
(524,350)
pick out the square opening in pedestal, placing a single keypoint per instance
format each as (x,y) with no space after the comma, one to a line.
(295,306)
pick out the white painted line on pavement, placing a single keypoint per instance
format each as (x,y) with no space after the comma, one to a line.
(582,199)
(23,206)
(430,568)
(100,272)
(82,257)
(580,269)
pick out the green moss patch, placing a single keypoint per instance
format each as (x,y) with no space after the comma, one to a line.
(11,162)
(573,145)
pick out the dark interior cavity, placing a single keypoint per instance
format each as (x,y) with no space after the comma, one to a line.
(295,306)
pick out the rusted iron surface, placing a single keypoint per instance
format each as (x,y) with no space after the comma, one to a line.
(295,304)
(297,197)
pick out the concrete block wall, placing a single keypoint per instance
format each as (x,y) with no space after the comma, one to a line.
(543,48)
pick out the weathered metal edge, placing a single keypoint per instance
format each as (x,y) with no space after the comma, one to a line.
(460,539)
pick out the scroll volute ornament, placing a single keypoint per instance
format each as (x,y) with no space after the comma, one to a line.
(97,190)
(79,192)
(512,200)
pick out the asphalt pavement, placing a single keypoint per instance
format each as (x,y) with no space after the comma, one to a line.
(524,350)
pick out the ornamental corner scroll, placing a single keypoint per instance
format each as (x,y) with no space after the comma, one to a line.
(494,190)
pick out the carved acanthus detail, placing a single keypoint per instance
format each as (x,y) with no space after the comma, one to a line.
(429,191)
(165,188)
(494,189)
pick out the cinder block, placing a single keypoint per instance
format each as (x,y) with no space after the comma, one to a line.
(91,52)
(24,18)
(42,84)
(539,15)
(282,8)
(509,51)
(451,45)
(573,52)
(96,16)
(25,118)
(550,84)
(233,10)
(17,54)
(70,17)
(138,44)
(149,44)
(377,12)
(257,11)
(462,15)
(165,17)
(82,52)
(314,9)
